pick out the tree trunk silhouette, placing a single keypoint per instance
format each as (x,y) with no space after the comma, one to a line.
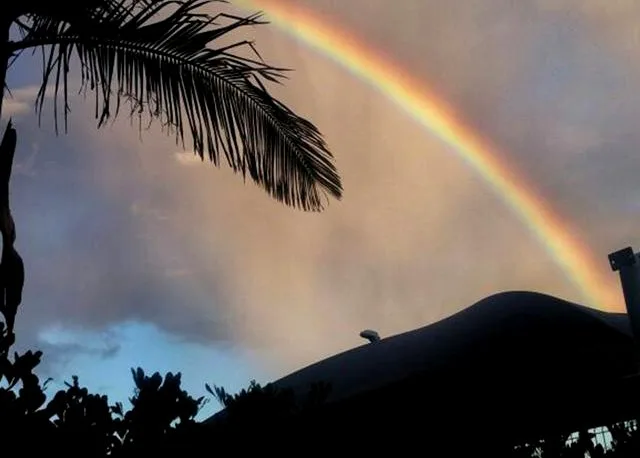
(4,56)
(11,265)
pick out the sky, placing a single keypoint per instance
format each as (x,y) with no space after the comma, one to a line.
(138,255)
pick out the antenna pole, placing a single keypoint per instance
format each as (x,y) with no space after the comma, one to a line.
(627,264)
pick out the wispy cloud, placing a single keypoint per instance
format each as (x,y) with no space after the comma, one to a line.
(188,158)
(21,100)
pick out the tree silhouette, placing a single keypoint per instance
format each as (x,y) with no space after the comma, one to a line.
(155,56)
(160,57)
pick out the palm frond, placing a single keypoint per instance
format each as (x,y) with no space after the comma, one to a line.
(156,55)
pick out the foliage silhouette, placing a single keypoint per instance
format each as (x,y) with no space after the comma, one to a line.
(624,443)
(153,54)
(161,419)
(175,63)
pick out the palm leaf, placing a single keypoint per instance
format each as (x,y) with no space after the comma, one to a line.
(155,54)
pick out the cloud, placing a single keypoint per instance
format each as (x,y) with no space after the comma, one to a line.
(61,346)
(20,101)
(13,108)
(187,158)
(64,341)
(116,229)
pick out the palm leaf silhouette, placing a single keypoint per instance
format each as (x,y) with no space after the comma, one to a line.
(156,55)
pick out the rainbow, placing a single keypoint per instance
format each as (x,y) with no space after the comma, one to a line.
(411,95)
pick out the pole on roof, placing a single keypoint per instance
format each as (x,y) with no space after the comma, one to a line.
(627,264)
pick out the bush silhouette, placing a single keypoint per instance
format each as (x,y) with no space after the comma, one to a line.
(161,417)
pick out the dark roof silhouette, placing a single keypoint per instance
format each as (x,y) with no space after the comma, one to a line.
(497,335)
(523,363)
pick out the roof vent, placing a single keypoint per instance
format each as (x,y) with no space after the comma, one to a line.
(370,335)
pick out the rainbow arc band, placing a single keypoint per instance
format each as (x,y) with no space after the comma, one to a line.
(573,257)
